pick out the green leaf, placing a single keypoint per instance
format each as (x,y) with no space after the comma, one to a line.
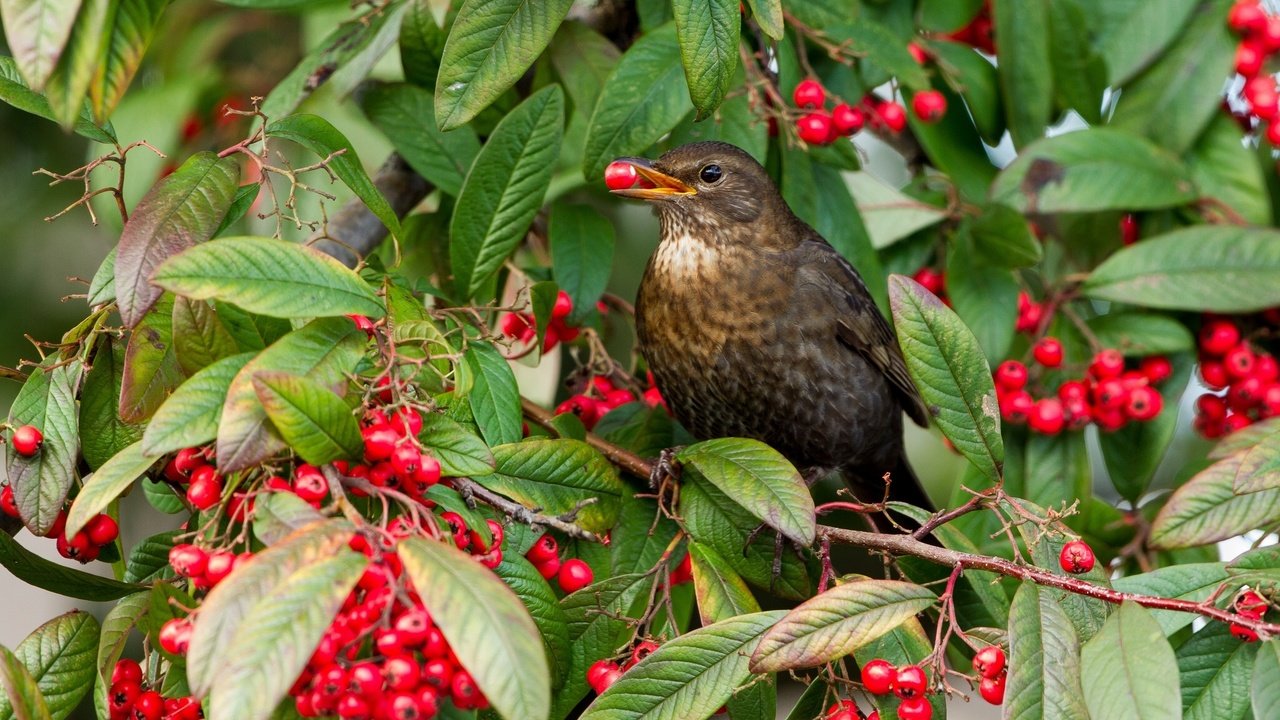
(1024,68)
(199,337)
(1205,509)
(1079,72)
(1258,467)
(581,242)
(504,189)
(494,394)
(837,622)
(133,24)
(884,49)
(102,288)
(768,15)
(759,479)
(324,350)
(708,35)
(240,601)
(14,91)
(688,677)
(315,422)
(1265,688)
(888,214)
(720,591)
(1194,582)
(59,655)
(48,575)
(492,43)
(1135,333)
(99,406)
(984,295)
(641,537)
(460,452)
(948,15)
(405,114)
(596,629)
(1215,669)
(151,369)
(36,32)
(116,626)
(278,515)
(906,644)
(975,78)
(20,695)
(1128,669)
(953,377)
(190,416)
(181,211)
(643,99)
(467,602)
(1213,268)
(1095,169)
(105,485)
(81,56)
(535,592)
(270,277)
(326,142)
(271,646)
(40,483)
(1134,452)
(1044,659)
(149,559)
(1133,33)
(556,476)
(1002,236)
(251,332)
(1175,99)
(1227,171)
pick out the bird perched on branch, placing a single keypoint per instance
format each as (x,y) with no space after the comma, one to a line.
(754,326)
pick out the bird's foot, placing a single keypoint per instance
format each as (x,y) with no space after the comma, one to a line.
(666,467)
(780,542)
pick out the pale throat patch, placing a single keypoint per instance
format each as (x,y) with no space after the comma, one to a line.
(682,255)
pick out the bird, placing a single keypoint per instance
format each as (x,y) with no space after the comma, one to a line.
(754,326)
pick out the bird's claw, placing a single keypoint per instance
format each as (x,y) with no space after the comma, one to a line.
(666,467)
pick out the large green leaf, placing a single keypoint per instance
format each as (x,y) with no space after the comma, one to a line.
(324,350)
(133,24)
(1024,68)
(984,295)
(1044,660)
(504,189)
(60,656)
(1079,72)
(581,242)
(558,476)
(492,43)
(768,15)
(181,211)
(105,485)
(151,369)
(1133,33)
(81,57)
(759,479)
(14,91)
(1141,333)
(326,142)
(99,406)
(1227,171)
(535,592)
(1195,582)
(459,450)
(18,690)
(641,536)
(720,591)
(406,115)
(643,99)
(495,397)
(315,422)
(486,625)
(48,575)
(269,277)
(970,74)
(36,32)
(190,416)
(116,627)
(597,626)
(837,622)
(1205,509)
(199,337)
(232,605)
(708,34)
(1096,169)
(1264,692)
(688,678)
(40,483)
(953,377)
(1128,669)
(1215,669)
(1215,268)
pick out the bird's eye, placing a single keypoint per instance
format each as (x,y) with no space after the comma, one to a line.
(711,174)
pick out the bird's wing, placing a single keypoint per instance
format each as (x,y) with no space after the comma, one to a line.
(860,327)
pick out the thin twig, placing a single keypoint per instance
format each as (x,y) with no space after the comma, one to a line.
(524,515)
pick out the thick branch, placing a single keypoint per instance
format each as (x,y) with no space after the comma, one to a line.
(899,545)
(353,231)
(624,459)
(522,514)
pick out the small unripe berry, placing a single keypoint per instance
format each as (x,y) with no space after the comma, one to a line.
(1077,557)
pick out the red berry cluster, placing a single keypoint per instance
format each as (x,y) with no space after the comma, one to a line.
(1259,40)
(908,682)
(572,575)
(129,699)
(523,327)
(818,127)
(604,673)
(383,658)
(464,538)
(602,396)
(205,568)
(1108,394)
(989,663)
(1249,375)
(1077,557)
(1253,606)
(392,456)
(979,33)
(85,545)
(193,467)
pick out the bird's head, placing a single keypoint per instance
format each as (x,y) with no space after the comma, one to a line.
(709,183)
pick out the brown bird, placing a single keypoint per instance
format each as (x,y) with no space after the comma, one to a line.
(754,326)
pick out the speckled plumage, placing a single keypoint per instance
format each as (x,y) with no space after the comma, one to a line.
(754,326)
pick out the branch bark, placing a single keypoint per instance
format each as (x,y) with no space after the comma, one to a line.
(353,231)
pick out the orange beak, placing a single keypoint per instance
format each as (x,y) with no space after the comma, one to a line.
(654,184)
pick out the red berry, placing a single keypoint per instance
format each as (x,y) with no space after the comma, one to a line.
(893,115)
(379,441)
(1250,57)
(1239,361)
(1246,17)
(1270,35)
(457,528)
(607,679)
(363,324)
(586,408)
(1243,634)
(1077,557)
(1107,363)
(562,307)
(992,689)
(1234,422)
(148,706)
(175,636)
(1251,603)
(1048,352)
(27,440)
(574,575)
(816,128)
(1144,403)
(549,568)
(929,106)
(1219,336)
(1214,374)
(878,676)
(934,281)
(848,120)
(1245,394)
(8,504)
(365,679)
(598,671)
(809,93)
(1047,416)
(405,460)
(188,460)
(126,669)
(402,706)
(1265,367)
(464,692)
(1212,407)
(910,682)
(123,693)
(102,530)
(188,560)
(989,661)
(1015,407)
(518,326)
(353,707)
(414,627)
(845,709)
(1011,375)
(407,421)
(1129,229)
(919,54)
(309,483)
(1156,368)
(916,708)
(218,566)
(495,529)
(544,548)
(620,175)
(205,489)
(428,473)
